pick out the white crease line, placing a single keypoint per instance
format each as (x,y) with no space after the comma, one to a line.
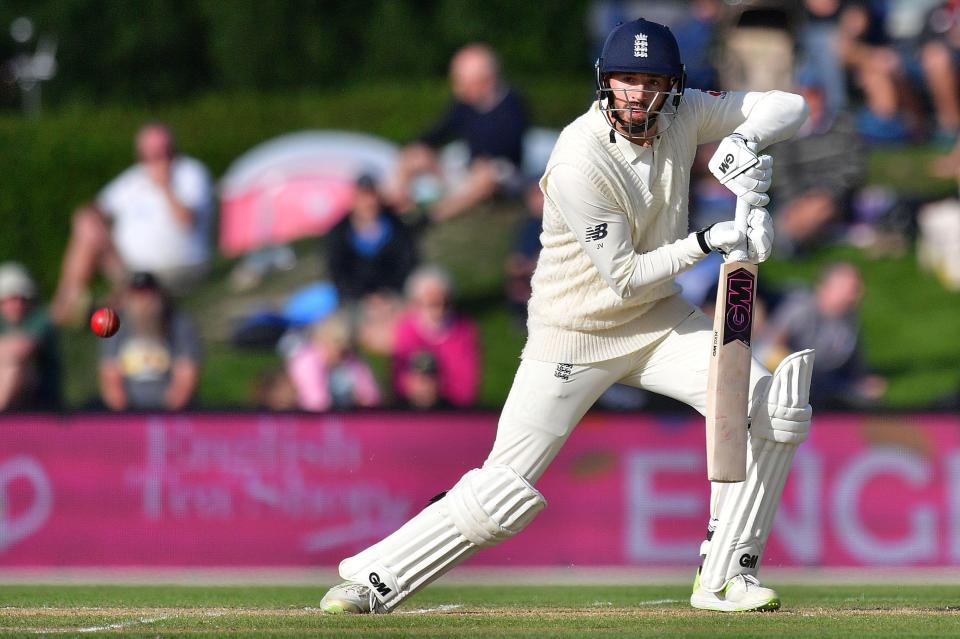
(125,624)
(441,608)
(657,602)
(113,626)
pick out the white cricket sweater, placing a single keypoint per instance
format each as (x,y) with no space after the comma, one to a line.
(575,316)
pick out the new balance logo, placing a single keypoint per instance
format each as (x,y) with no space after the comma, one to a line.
(749,561)
(727,162)
(597,232)
(378,585)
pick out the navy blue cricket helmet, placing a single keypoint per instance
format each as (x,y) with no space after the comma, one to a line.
(647,47)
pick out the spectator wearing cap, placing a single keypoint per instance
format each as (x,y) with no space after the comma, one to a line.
(430,325)
(421,383)
(370,250)
(489,117)
(29,353)
(153,362)
(155,217)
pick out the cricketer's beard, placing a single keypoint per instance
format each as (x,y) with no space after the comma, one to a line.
(645,129)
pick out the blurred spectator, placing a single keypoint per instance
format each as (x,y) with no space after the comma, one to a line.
(431,326)
(939,55)
(152,217)
(877,69)
(883,221)
(819,45)
(250,271)
(826,319)
(421,383)
(604,15)
(695,34)
(273,390)
(326,371)
(29,354)
(370,250)
(375,322)
(938,241)
(758,45)
(522,258)
(817,172)
(487,115)
(153,362)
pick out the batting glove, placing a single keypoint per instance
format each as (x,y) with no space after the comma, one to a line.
(759,235)
(742,171)
(722,237)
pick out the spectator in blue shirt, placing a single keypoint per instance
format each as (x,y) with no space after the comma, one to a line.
(370,250)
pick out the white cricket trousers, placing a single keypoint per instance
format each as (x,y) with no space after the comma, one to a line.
(548,399)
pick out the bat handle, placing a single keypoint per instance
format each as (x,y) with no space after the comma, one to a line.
(739,254)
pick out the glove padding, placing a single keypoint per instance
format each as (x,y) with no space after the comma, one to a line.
(742,171)
(759,234)
(724,237)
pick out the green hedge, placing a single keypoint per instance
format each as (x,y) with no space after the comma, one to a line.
(151,50)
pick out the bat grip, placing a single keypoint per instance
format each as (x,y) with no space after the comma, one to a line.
(739,254)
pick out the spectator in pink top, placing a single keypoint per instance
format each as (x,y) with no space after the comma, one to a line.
(328,374)
(431,326)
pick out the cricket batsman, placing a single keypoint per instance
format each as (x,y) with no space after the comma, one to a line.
(605,309)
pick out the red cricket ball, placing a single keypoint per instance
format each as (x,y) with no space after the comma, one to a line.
(105,322)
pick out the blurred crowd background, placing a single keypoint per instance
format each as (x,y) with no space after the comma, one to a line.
(305,206)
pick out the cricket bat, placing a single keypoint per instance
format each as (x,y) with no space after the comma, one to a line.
(730,355)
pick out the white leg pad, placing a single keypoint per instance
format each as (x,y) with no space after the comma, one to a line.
(485,507)
(744,511)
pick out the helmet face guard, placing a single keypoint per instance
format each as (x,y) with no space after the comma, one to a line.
(620,106)
(640,47)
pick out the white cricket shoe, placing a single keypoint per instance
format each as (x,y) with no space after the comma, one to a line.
(351,598)
(740,594)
